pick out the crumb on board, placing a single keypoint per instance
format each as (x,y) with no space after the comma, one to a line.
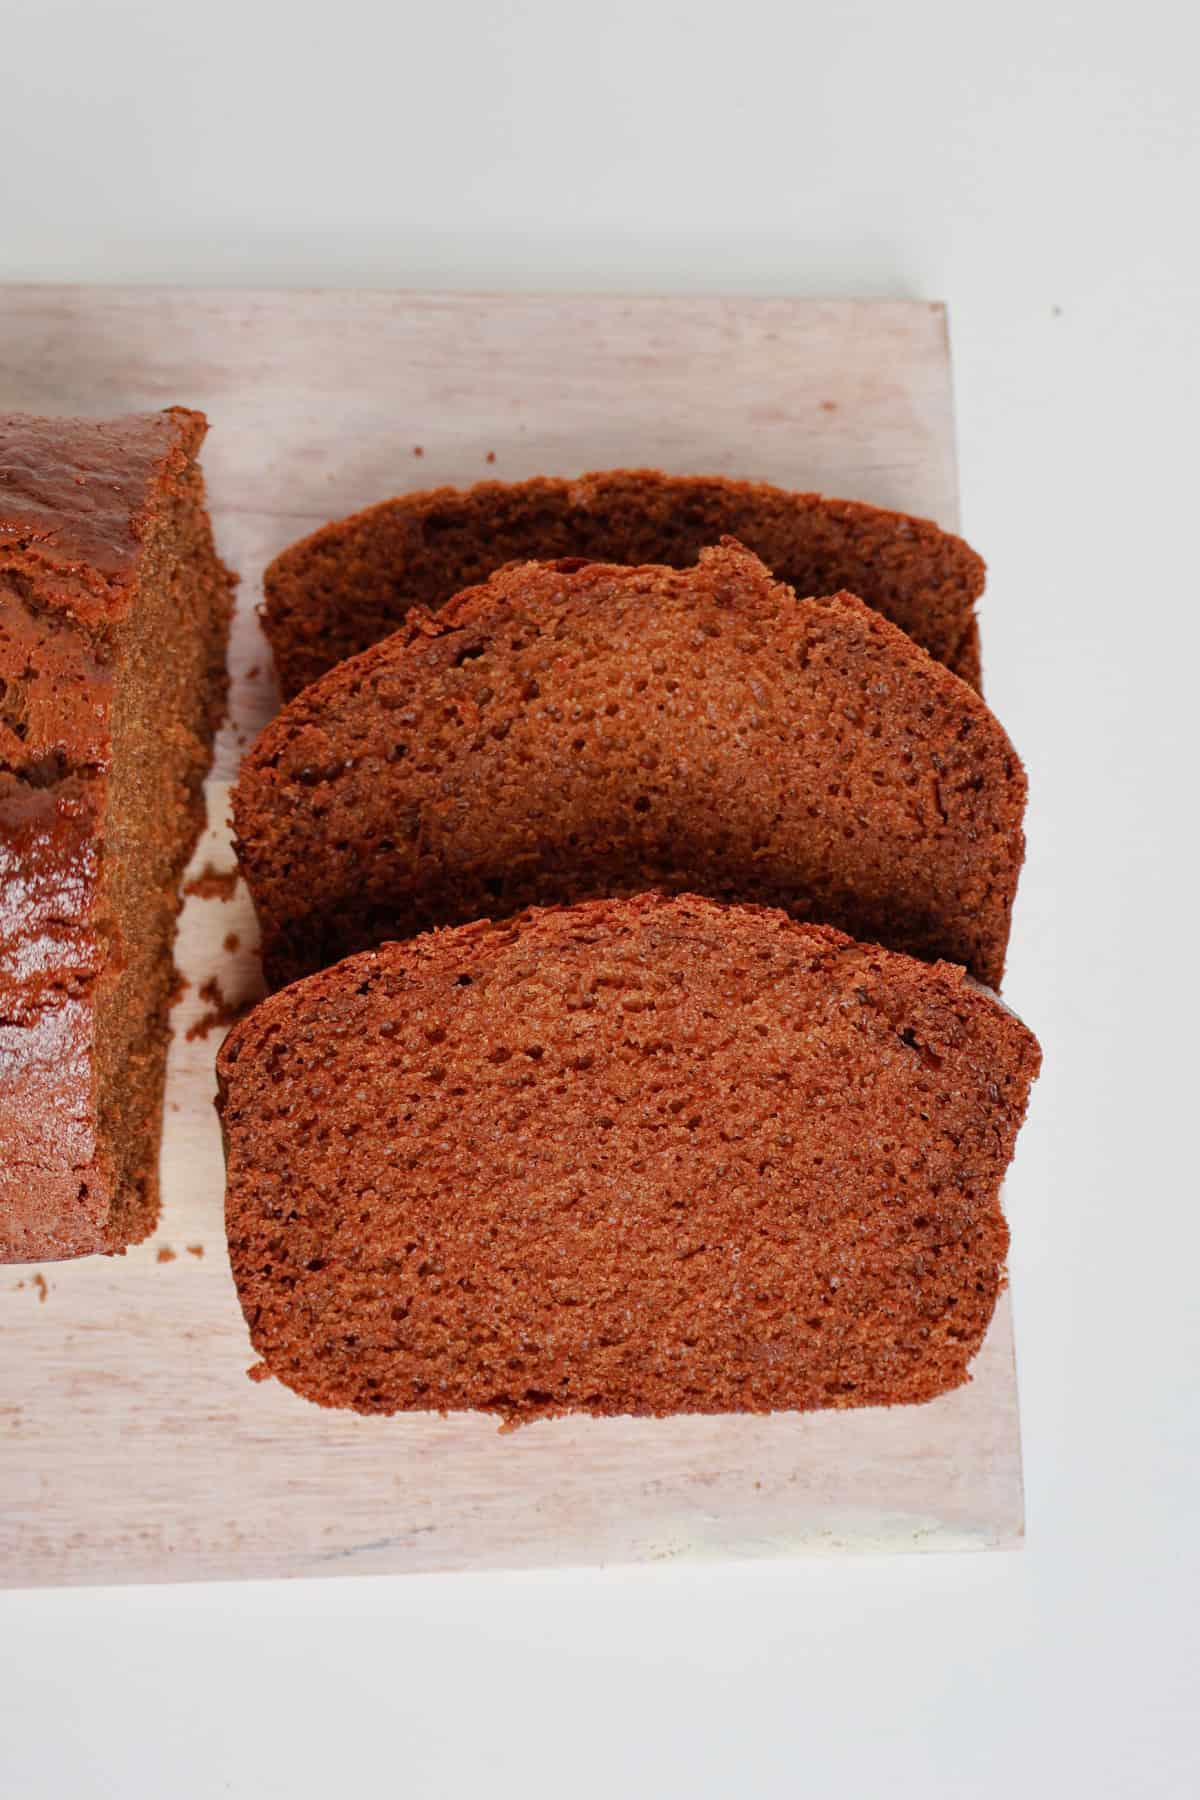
(213,884)
(491,456)
(41,1284)
(232,942)
(259,1372)
(220,1010)
(418,449)
(253,673)
(195,1249)
(829,406)
(164,1253)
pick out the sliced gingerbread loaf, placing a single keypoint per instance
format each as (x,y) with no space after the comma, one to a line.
(572,730)
(114,612)
(354,581)
(634,1156)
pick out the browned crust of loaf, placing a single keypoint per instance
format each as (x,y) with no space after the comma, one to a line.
(77,497)
(351,583)
(114,612)
(928,864)
(669,1120)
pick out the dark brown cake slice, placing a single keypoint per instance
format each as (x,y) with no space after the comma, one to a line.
(114,613)
(574,730)
(353,582)
(635,1156)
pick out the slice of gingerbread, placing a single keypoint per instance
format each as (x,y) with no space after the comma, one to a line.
(346,586)
(114,612)
(634,1156)
(576,730)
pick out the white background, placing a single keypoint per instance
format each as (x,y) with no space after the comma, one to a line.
(1038,166)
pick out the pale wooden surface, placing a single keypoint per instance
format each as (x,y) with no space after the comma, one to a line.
(132,1448)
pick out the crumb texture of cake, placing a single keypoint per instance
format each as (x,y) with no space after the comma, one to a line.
(114,615)
(571,731)
(353,582)
(640,1156)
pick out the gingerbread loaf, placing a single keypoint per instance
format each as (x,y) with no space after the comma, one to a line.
(353,582)
(114,613)
(638,1156)
(575,730)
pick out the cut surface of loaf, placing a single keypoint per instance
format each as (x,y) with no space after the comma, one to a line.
(570,731)
(637,1156)
(114,612)
(354,581)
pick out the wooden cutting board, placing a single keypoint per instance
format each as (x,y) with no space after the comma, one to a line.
(132,1446)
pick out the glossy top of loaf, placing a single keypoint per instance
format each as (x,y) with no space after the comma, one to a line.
(76,496)
(78,503)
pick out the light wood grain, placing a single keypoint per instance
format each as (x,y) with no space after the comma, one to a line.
(132,1448)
